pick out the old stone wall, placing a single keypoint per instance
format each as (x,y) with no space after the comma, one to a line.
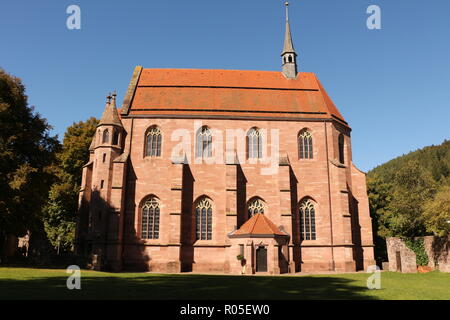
(438,251)
(403,259)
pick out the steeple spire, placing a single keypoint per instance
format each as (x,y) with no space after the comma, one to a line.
(289,56)
(114,96)
(288,44)
(110,115)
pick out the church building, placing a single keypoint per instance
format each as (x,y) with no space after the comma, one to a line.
(226,171)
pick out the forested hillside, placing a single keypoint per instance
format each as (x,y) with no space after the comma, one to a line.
(410,195)
(434,159)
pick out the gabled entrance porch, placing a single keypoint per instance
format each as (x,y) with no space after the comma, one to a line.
(262,246)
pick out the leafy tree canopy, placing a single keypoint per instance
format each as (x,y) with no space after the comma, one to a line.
(26,151)
(409,195)
(437,212)
(61,209)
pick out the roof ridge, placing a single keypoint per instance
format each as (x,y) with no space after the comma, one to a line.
(264,220)
(256,218)
(272,225)
(259,224)
(204,69)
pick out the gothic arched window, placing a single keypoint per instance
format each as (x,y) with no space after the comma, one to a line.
(153,142)
(204,143)
(308,220)
(254,143)
(115,140)
(341,148)
(150,219)
(105,136)
(203,218)
(305,145)
(255,206)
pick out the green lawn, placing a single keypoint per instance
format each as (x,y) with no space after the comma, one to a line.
(21,283)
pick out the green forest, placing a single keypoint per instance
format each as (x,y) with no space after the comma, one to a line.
(409,196)
(40,179)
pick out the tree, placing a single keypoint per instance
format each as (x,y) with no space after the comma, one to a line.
(413,186)
(437,213)
(75,151)
(60,211)
(26,152)
(398,205)
(379,193)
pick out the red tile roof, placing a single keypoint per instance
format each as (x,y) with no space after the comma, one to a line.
(259,224)
(230,94)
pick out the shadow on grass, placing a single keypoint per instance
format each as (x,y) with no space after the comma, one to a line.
(35,266)
(184,287)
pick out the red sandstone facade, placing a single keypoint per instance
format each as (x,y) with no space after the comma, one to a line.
(123,181)
(119,178)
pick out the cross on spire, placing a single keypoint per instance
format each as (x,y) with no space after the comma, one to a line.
(287,10)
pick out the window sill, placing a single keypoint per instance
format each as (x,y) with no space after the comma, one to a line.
(209,243)
(151,241)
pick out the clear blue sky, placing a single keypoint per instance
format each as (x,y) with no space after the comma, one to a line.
(391,85)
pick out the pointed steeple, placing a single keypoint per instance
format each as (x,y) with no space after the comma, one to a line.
(110,115)
(288,44)
(289,56)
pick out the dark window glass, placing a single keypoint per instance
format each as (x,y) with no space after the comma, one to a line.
(204,143)
(307,220)
(106,136)
(203,216)
(341,148)
(115,138)
(150,219)
(254,140)
(305,145)
(153,142)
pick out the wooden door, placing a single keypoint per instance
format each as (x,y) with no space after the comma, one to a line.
(261,259)
(398,259)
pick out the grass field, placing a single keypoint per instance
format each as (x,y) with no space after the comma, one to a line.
(21,283)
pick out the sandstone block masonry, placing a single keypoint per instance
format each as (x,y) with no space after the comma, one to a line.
(145,186)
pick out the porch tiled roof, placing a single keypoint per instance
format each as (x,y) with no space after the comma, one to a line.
(259,224)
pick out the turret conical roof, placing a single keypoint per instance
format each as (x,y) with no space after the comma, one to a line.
(110,115)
